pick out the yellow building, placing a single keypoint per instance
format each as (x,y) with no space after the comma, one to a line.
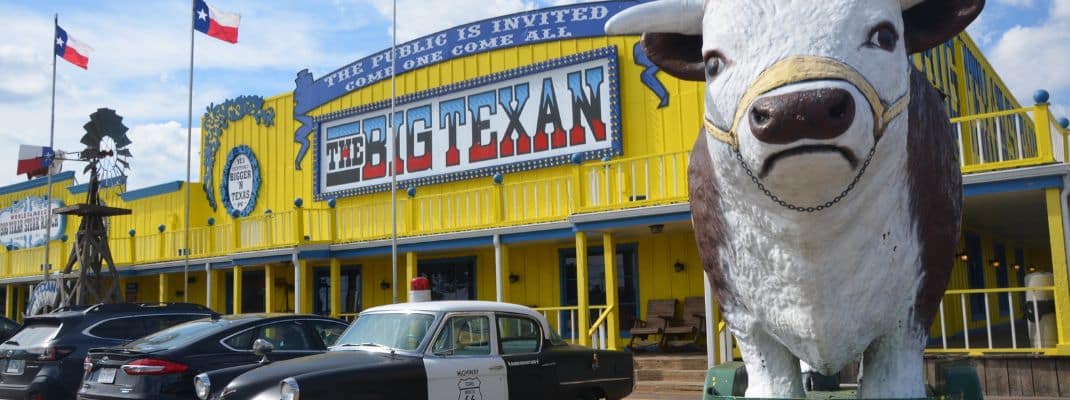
(530,146)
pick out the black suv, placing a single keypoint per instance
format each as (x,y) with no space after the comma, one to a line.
(44,360)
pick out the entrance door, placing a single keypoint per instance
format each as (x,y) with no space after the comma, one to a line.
(627,283)
(451,279)
(463,362)
(350,288)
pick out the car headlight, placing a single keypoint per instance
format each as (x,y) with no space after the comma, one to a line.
(202,386)
(289,389)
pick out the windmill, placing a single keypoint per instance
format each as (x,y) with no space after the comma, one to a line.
(106,155)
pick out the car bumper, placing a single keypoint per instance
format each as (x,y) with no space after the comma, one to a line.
(47,388)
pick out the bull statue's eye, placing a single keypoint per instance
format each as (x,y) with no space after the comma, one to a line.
(883,36)
(714,65)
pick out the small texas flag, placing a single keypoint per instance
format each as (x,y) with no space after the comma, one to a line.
(71,49)
(34,160)
(215,23)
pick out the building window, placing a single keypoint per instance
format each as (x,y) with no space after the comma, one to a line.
(451,278)
(350,289)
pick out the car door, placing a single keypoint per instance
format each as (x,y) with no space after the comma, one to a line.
(529,374)
(463,362)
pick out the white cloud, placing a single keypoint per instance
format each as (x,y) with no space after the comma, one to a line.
(160,154)
(1033,57)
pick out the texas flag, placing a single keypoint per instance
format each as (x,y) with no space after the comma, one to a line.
(215,23)
(72,50)
(34,160)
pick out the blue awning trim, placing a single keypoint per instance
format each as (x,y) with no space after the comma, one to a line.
(1013,185)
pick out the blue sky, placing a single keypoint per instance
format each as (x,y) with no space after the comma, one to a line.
(140,61)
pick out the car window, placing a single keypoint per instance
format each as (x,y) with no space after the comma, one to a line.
(136,326)
(329,331)
(518,335)
(34,335)
(242,341)
(464,336)
(126,328)
(286,336)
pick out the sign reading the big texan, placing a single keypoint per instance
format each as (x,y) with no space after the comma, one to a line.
(532,117)
(530,27)
(24,224)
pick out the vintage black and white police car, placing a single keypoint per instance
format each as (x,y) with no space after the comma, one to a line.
(455,350)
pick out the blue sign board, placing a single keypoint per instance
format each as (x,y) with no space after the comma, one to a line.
(531,27)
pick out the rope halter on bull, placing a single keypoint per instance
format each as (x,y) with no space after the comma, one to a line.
(803,69)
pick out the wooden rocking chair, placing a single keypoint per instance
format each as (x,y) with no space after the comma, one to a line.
(658,315)
(692,325)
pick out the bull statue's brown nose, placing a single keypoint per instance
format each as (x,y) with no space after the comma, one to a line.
(812,114)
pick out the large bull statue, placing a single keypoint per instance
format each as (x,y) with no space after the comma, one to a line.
(825,189)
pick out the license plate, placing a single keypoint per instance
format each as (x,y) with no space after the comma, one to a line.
(15,367)
(107,375)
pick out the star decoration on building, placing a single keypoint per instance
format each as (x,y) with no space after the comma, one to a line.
(202,15)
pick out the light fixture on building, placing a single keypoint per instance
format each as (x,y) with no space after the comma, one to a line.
(1017,267)
(384,285)
(1032,268)
(678,267)
(995,263)
(963,257)
(656,228)
(514,278)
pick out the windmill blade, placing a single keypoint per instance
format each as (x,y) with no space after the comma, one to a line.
(105,122)
(124,153)
(90,166)
(123,162)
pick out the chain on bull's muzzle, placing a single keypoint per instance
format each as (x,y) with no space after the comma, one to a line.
(804,69)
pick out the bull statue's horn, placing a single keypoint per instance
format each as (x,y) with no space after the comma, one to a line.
(662,16)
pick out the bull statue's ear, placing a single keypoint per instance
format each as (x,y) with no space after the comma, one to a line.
(672,34)
(676,54)
(931,22)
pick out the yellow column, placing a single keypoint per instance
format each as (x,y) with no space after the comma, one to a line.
(1042,119)
(9,302)
(583,317)
(1058,267)
(410,271)
(165,288)
(609,253)
(269,289)
(236,281)
(19,303)
(336,287)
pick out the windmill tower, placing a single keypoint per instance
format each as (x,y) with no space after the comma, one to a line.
(106,154)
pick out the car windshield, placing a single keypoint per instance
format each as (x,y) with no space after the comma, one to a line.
(179,335)
(401,331)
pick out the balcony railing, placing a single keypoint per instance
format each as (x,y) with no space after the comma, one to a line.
(1009,139)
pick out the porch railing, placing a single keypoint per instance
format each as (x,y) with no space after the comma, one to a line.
(978,321)
(562,319)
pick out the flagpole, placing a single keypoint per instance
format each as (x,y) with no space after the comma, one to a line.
(189,151)
(393,154)
(51,143)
